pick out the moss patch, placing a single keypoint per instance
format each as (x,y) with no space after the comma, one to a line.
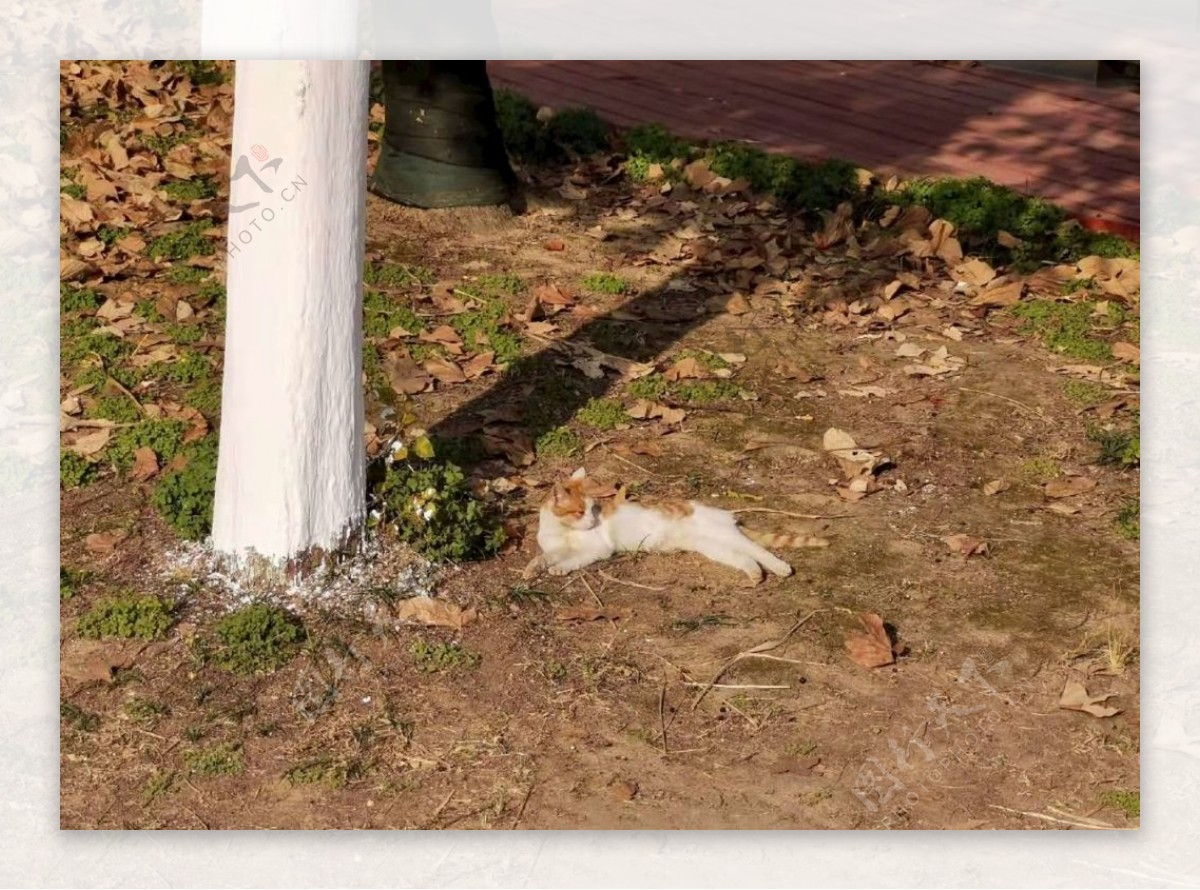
(1066,328)
(441,657)
(184,497)
(126,615)
(257,639)
(602,414)
(1128,802)
(225,759)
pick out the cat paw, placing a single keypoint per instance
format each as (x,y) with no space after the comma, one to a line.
(557,571)
(751,580)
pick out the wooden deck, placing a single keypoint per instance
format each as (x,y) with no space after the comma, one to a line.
(1074,144)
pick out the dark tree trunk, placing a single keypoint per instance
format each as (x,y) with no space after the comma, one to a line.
(441,142)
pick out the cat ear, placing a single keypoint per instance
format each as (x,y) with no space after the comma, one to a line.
(579,474)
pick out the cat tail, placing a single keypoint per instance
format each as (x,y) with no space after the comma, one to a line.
(778,541)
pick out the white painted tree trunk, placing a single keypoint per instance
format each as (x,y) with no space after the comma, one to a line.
(291,469)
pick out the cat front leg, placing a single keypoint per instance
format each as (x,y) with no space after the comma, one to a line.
(561,562)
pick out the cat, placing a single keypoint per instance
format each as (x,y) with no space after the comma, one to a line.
(577,527)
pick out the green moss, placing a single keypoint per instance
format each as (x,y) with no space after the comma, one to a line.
(1075,285)
(183,243)
(144,710)
(184,497)
(605,283)
(148,310)
(1117,447)
(79,339)
(201,72)
(225,759)
(163,437)
(1066,328)
(382,313)
(1086,393)
(602,414)
(323,771)
(205,397)
(1129,520)
(655,144)
(491,285)
(186,369)
(162,145)
(73,298)
(185,333)
(187,274)
(796,183)
(441,657)
(69,582)
(118,408)
(258,639)
(1128,802)
(708,360)
(126,615)
(705,392)
(396,275)
(110,235)
(561,441)
(579,130)
(488,328)
(160,783)
(77,718)
(652,386)
(430,505)
(1039,469)
(74,471)
(198,188)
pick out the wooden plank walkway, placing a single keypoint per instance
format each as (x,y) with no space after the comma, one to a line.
(1074,144)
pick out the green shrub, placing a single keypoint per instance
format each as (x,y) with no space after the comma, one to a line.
(225,759)
(205,397)
(69,581)
(183,243)
(74,470)
(579,130)
(438,657)
(73,298)
(396,275)
(258,639)
(125,616)
(117,408)
(163,437)
(184,497)
(602,414)
(1066,328)
(76,717)
(187,274)
(530,141)
(605,283)
(560,441)
(1128,802)
(1129,520)
(487,328)
(655,144)
(430,505)
(382,313)
(188,368)
(201,72)
(1120,448)
(198,188)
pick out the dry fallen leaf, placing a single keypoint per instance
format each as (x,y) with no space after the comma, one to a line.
(874,648)
(966,545)
(1000,295)
(404,375)
(1127,352)
(91,443)
(975,272)
(445,372)
(145,464)
(104,542)
(996,486)
(1075,697)
(555,244)
(434,613)
(644,409)
(625,790)
(685,368)
(1069,486)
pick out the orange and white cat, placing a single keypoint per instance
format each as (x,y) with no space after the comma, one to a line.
(576,529)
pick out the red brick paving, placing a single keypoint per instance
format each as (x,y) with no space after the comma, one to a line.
(1074,144)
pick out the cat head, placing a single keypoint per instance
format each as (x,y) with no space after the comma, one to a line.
(572,504)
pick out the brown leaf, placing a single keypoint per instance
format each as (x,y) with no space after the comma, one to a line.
(1069,486)
(871,649)
(643,409)
(737,304)
(838,226)
(649,449)
(1000,295)
(1127,352)
(685,368)
(1075,697)
(555,244)
(975,272)
(553,296)
(75,212)
(404,375)
(91,443)
(434,613)
(104,542)
(625,790)
(1009,240)
(592,613)
(443,335)
(479,365)
(966,545)
(97,660)
(996,486)
(515,446)
(145,464)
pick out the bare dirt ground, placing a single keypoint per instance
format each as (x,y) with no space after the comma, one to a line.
(612,722)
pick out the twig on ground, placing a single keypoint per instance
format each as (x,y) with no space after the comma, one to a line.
(761,647)
(1091,823)
(996,395)
(662,717)
(786,513)
(632,464)
(738,685)
(606,575)
(521,809)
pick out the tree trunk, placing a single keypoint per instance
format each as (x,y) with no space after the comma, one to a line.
(290,474)
(442,146)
